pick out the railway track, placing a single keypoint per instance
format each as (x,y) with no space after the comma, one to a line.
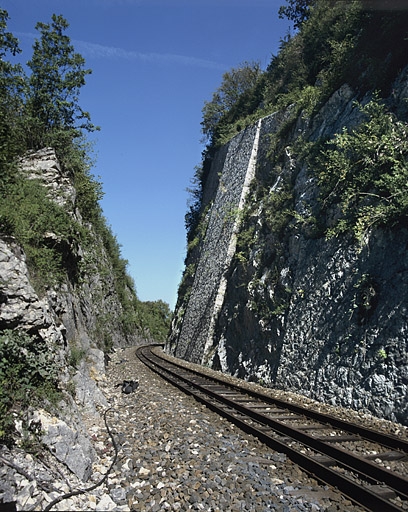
(343,455)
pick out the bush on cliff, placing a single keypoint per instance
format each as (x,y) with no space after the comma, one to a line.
(334,43)
(28,373)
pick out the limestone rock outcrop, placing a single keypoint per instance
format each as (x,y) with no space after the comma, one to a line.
(43,165)
(20,304)
(74,318)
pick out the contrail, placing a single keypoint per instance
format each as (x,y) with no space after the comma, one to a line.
(99,51)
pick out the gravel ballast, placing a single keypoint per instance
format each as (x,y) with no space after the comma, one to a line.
(175,454)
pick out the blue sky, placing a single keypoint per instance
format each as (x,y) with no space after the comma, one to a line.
(154,63)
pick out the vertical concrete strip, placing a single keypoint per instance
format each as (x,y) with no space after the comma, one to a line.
(219,300)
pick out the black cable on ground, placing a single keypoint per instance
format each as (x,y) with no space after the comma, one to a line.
(94,486)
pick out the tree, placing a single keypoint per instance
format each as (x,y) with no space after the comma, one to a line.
(57,76)
(11,92)
(7,41)
(155,317)
(296,11)
(234,84)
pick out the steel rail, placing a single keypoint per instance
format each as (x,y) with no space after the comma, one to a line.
(223,400)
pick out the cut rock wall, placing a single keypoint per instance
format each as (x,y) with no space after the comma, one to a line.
(323,318)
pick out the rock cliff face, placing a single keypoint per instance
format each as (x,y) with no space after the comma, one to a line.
(323,317)
(80,305)
(69,318)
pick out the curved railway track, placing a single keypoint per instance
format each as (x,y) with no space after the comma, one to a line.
(323,445)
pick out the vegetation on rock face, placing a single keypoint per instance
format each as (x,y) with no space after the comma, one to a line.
(334,43)
(42,110)
(28,373)
(364,173)
(37,111)
(28,214)
(357,180)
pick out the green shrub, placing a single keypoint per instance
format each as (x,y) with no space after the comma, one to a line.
(42,227)
(363,172)
(382,354)
(76,354)
(28,373)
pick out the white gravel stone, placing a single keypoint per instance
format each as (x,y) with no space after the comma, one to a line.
(106,503)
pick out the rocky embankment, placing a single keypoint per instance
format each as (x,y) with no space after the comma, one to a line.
(172,454)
